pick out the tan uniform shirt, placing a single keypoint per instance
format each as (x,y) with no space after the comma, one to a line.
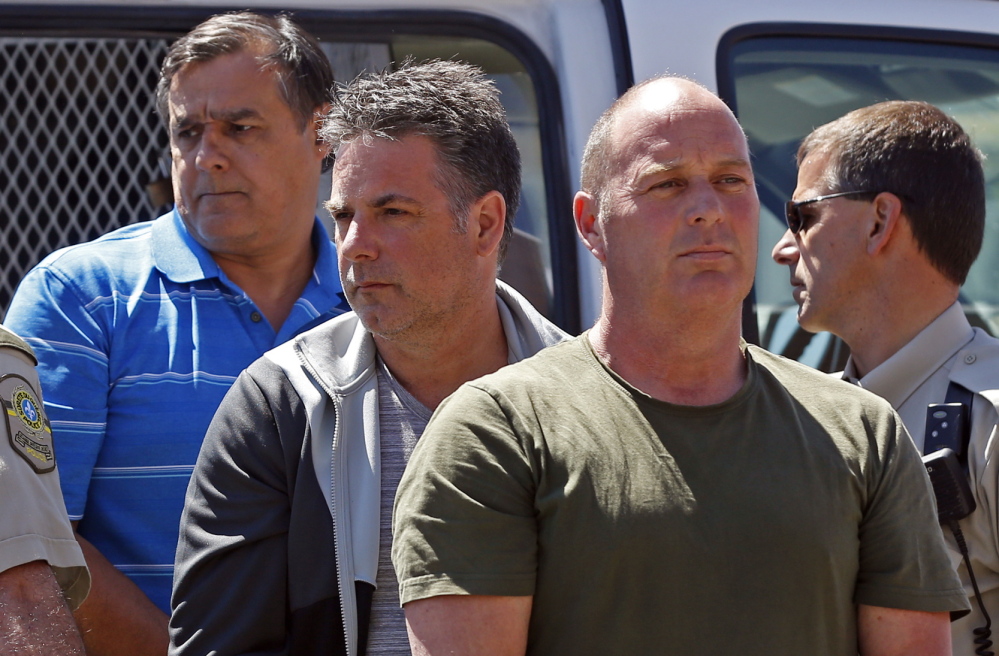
(949,349)
(33,524)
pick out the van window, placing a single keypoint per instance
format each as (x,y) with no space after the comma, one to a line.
(84,151)
(783,87)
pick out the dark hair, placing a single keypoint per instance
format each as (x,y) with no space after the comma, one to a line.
(915,151)
(453,104)
(304,70)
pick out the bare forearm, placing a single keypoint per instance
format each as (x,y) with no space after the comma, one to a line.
(895,632)
(34,617)
(117,619)
(459,625)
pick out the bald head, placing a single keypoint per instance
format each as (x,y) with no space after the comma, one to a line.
(669,206)
(660,95)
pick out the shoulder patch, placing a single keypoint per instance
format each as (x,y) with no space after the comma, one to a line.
(28,429)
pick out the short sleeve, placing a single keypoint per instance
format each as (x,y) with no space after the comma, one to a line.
(903,561)
(464,520)
(35,525)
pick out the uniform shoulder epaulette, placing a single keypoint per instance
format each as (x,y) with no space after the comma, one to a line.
(8,338)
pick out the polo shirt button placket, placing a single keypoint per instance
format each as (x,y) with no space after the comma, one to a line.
(255,317)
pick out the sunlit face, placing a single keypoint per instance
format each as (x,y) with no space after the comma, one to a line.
(679,213)
(824,257)
(245,173)
(405,268)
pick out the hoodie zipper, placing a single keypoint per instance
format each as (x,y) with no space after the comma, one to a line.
(337,546)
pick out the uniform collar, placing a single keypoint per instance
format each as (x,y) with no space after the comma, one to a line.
(899,376)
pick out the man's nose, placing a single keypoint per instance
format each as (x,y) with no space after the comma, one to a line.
(211,154)
(355,239)
(786,249)
(705,205)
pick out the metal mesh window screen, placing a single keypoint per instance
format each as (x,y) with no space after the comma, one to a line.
(80,141)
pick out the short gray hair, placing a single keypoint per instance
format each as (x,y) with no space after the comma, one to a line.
(453,104)
(303,69)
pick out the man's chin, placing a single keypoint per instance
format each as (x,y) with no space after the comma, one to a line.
(379,323)
(807,322)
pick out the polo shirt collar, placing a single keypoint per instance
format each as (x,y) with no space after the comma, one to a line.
(177,255)
(183,260)
(899,376)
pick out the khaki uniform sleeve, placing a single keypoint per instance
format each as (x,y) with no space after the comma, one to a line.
(34,525)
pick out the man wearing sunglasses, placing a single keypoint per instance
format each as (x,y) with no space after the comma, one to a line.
(888,217)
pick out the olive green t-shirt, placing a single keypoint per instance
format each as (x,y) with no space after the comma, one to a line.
(640,527)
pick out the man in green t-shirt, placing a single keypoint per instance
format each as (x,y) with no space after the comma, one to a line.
(656,485)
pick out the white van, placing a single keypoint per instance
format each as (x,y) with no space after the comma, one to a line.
(82,151)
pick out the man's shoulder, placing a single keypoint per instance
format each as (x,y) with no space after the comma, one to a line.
(976,366)
(562,363)
(118,247)
(118,259)
(8,339)
(336,351)
(805,382)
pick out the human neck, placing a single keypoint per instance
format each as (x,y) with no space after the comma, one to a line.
(273,283)
(434,363)
(694,362)
(892,318)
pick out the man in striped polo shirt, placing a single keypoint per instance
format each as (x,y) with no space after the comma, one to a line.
(140,333)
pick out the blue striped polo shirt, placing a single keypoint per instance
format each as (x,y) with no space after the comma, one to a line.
(139,335)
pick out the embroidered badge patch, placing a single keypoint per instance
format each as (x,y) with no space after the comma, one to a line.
(27,427)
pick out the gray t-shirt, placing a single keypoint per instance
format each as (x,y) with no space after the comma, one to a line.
(401,421)
(753,526)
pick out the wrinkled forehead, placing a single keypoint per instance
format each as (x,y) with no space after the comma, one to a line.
(252,59)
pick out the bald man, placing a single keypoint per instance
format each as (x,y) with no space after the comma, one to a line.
(657,485)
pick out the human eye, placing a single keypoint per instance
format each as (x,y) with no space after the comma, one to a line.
(666,184)
(186,132)
(394,211)
(733,181)
(808,216)
(240,128)
(337,211)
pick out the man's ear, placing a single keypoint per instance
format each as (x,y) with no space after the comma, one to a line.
(585,209)
(317,122)
(887,212)
(486,220)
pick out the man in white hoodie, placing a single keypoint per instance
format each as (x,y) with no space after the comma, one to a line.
(285,537)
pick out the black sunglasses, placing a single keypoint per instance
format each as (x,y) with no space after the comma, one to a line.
(793,216)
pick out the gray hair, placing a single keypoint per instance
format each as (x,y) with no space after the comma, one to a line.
(304,71)
(453,104)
